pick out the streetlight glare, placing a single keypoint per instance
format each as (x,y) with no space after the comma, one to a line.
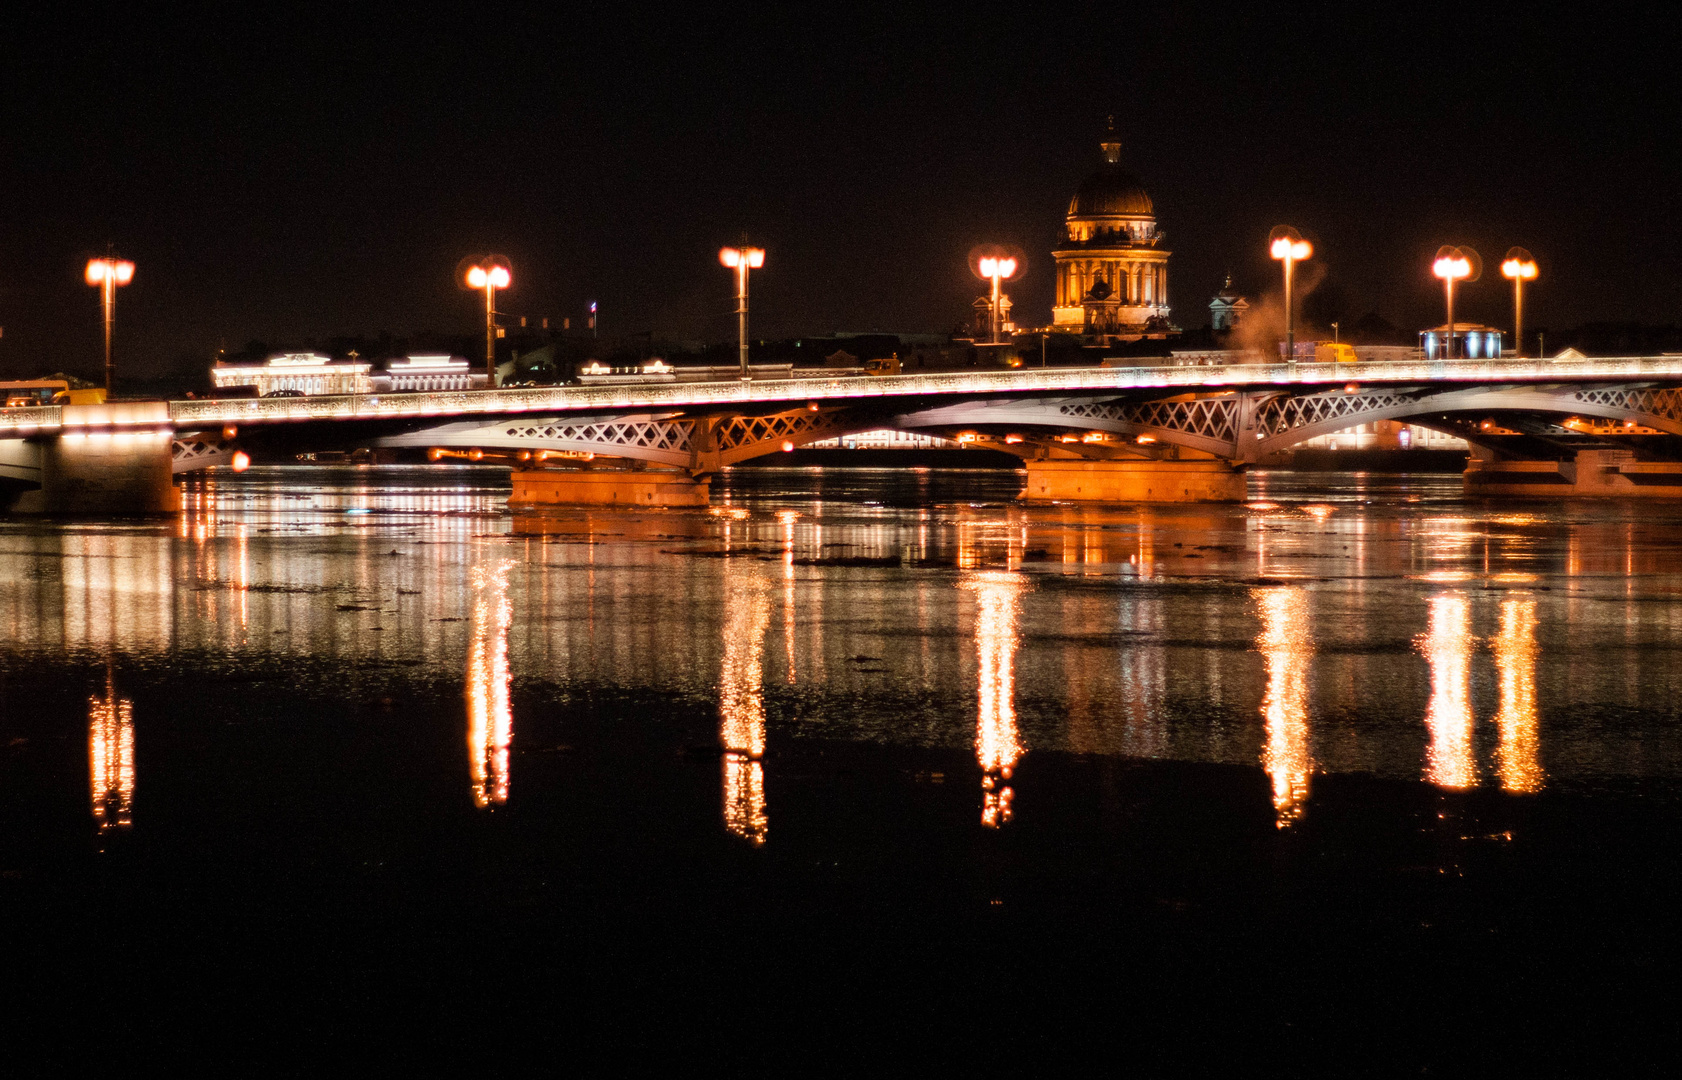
(477,277)
(106,274)
(1452,267)
(1519,265)
(1288,246)
(499,277)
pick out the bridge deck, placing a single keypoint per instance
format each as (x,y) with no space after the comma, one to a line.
(657,397)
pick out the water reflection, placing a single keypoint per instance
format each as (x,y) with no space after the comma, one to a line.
(741,701)
(111,757)
(1288,647)
(490,720)
(1447,645)
(998,744)
(1517,757)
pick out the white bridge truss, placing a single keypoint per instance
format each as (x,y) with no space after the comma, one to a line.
(1241,426)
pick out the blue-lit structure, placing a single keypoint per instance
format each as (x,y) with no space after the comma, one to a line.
(1473,341)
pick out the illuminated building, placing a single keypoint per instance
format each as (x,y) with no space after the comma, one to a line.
(1112,272)
(303,373)
(425,371)
(1227,309)
(1472,341)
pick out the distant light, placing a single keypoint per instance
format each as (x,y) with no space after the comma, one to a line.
(731,257)
(476,277)
(788,446)
(499,277)
(242,461)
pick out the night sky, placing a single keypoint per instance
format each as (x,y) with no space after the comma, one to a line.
(284,176)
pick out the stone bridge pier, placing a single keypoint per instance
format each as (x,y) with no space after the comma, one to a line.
(116,458)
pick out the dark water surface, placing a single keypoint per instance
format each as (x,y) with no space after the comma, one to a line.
(1361,777)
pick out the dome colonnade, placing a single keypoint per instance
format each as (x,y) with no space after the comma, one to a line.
(1112,272)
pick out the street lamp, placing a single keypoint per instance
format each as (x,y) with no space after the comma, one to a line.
(1288,246)
(106,274)
(490,274)
(742,259)
(996,268)
(1455,264)
(1520,267)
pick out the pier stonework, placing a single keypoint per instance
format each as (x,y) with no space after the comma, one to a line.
(1133,481)
(106,459)
(607,487)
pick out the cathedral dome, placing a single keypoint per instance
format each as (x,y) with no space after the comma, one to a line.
(1108,192)
(1111,191)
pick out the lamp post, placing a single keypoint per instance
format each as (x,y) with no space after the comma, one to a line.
(106,274)
(1288,246)
(742,259)
(1519,267)
(996,268)
(490,275)
(1454,264)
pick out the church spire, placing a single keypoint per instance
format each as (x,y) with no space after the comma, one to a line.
(1111,143)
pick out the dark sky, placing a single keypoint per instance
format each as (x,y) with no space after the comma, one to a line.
(283,175)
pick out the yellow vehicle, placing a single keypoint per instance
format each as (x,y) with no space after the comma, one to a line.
(96,396)
(1335,352)
(888,366)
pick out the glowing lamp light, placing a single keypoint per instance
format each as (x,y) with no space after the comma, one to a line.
(118,271)
(1288,246)
(751,257)
(1518,267)
(242,461)
(742,259)
(1296,250)
(490,274)
(788,446)
(1452,266)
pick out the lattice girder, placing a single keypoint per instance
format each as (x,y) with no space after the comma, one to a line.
(1207,423)
(190,452)
(659,439)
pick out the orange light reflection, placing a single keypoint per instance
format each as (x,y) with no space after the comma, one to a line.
(111,758)
(1447,644)
(1517,757)
(490,719)
(1288,647)
(998,745)
(741,704)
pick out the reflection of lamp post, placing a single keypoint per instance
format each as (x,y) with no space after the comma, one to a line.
(1452,264)
(490,275)
(996,268)
(1520,267)
(742,259)
(107,274)
(1288,246)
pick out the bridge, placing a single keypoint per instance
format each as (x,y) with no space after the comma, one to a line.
(1601,426)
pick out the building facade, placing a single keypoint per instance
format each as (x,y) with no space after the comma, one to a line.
(1112,270)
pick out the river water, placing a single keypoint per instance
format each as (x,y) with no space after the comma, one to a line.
(838,707)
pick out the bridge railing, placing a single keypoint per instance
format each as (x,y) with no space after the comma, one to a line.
(658,397)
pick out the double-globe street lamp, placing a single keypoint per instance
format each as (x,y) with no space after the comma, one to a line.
(1455,264)
(1288,246)
(106,274)
(742,259)
(1518,267)
(490,274)
(996,268)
